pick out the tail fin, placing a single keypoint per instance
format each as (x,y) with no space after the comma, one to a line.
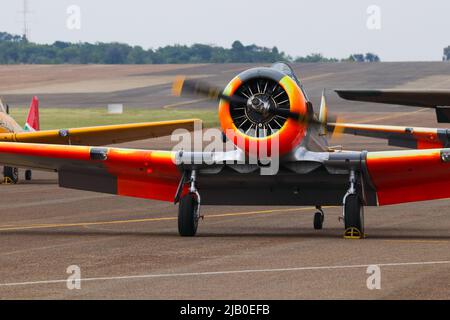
(32,123)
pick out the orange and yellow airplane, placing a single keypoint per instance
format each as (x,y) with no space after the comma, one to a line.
(262,109)
(11,131)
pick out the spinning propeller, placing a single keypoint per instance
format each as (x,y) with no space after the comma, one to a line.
(198,88)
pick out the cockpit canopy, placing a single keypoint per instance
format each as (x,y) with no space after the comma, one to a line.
(287,70)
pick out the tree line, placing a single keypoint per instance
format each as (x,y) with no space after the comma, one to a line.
(16,49)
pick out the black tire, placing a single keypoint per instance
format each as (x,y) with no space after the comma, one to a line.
(187,219)
(28,175)
(353,212)
(11,173)
(318,220)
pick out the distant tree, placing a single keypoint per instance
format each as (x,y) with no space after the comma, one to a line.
(359,57)
(315,57)
(138,55)
(237,46)
(116,53)
(61,44)
(370,57)
(446,54)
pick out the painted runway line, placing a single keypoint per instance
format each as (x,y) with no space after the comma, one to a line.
(229,272)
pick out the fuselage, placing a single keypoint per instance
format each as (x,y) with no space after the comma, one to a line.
(8,124)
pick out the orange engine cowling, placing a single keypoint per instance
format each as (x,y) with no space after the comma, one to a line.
(254,130)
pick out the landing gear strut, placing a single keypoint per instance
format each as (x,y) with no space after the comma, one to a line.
(11,175)
(319,217)
(353,211)
(28,175)
(189,210)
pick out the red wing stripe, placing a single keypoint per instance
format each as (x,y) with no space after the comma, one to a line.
(129,172)
(407,176)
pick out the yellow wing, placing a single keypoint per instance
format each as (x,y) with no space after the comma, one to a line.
(101,135)
(407,137)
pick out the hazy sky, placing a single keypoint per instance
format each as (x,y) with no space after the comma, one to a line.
(409,29)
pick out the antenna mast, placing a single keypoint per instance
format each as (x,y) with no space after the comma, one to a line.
(25,13)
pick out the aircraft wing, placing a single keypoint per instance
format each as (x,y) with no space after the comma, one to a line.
(101,135)
(409,175)
(406,97)
(437,99)
(127,172)
(392,176)
(407,137)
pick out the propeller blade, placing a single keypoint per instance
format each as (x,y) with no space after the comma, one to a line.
(335,129)
(189,87)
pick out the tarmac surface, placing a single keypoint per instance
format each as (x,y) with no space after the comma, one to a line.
(129,248)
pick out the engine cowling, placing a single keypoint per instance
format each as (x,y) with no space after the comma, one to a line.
(252,127)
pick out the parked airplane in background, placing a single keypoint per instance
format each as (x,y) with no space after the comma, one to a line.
(8,125)
(260,106)
(11,131)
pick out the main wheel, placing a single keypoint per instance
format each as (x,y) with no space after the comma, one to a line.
(353,213)
(187,215)
(28,175)
(318,220)
(11,173)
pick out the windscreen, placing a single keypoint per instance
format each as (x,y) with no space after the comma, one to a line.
(286,69)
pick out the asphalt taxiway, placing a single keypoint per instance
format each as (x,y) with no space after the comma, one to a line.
(130,248)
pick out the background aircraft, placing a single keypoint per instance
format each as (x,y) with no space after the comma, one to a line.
(10,130)
(8,124)
(258,106)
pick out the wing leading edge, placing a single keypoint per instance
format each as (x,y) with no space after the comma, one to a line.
(101,135)
(407,137)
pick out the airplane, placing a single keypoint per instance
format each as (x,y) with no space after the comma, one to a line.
(8,124)
(10,130)
(261,105)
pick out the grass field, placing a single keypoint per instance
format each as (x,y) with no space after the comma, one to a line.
(55,118)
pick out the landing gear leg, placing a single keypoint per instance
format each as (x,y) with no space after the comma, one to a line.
(189,210)
(11,175)
(319,217)
(353,211)
(28,175)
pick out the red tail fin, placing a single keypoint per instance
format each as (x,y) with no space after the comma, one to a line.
(32,123)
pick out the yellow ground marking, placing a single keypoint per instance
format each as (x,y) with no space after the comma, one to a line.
(84,224)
